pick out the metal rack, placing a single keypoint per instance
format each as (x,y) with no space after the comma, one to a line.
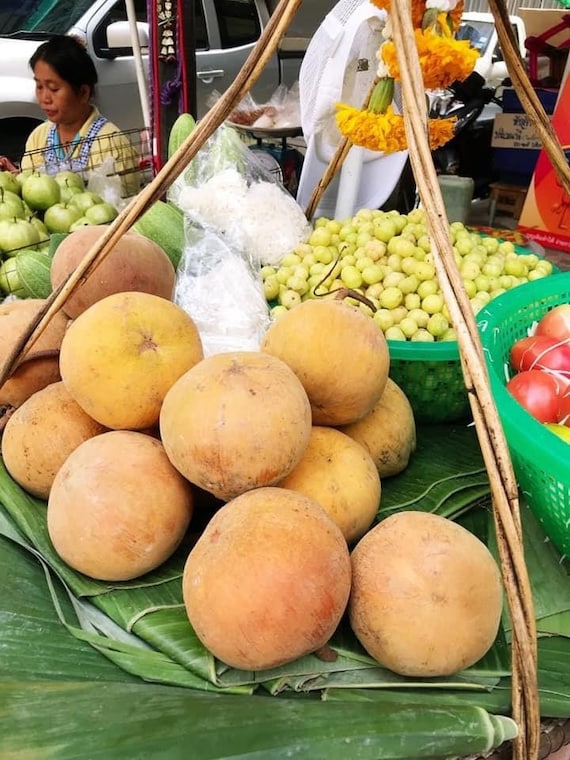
(135,164)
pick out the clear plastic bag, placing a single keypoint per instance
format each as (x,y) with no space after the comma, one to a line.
(104,181)
(237,218)
(228,188)
(219,287)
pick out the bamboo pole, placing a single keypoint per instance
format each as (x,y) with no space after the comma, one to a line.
(527,94)
(335,164)
(265,47)
(489,430)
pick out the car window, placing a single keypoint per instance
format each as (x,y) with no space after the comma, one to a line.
(238,22)
(119,13)
(478,33)
(48,16)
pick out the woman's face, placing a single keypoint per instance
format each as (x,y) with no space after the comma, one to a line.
(57,99)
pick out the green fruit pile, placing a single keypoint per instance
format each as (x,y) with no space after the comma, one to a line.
(385,257)
(33,206)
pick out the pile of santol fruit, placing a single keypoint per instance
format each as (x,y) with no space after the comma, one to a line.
(117,419)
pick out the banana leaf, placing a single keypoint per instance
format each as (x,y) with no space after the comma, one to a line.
(149,616)
(61,699)
(548,575)
(446,474)
(113,721)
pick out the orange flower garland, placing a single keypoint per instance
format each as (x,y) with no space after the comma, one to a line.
(385,132)
(418,9)
(443,60)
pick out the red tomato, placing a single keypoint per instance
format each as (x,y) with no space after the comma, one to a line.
(556,323)
(541,352)
(537,392)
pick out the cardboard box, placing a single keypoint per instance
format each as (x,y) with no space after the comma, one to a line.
(538,20)
(515,130)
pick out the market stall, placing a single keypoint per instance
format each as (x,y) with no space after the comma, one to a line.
(109,649)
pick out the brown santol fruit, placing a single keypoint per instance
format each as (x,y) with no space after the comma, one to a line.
(134,263)
(32,374)
(426,596)
(120,357)
(388,431)
(117,508)
(236,421)
(340,475)
(40,435)
(339,354)
(268,580)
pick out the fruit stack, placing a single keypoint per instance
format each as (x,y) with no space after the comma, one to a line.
(33,206)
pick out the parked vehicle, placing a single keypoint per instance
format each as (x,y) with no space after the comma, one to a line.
(469,152)
(225,33)
(480,30)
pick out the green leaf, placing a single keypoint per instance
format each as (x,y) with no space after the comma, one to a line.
(55,720)
(548,576)
(446,474)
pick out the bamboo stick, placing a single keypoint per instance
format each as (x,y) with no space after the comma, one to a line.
(488,426)
(527,94)
(265,47)
(335,164)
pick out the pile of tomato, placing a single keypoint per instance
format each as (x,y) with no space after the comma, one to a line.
(542,365)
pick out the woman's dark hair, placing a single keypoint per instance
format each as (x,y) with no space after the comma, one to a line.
(69,58)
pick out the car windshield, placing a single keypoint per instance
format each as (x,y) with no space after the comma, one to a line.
(477,32)
(40,16)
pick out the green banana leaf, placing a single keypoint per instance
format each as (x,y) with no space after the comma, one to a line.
(141,629)
(446,474)
(61,699)
(548,575)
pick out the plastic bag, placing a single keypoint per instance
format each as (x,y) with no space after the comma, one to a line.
(281,111)
(227,188)
(237,218)
(219,287)
(104,181)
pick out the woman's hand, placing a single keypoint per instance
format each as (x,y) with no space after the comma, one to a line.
(7,166)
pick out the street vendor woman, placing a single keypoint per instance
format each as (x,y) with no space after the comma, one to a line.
(75,136)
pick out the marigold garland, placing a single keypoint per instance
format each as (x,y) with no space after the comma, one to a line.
(418,9)
(385,132)
(443,60)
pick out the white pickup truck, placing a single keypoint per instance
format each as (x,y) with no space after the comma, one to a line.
(480,30)
(225,33)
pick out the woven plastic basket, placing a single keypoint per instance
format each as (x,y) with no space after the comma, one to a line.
(430,374)
(540,459)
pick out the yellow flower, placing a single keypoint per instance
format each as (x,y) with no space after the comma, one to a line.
(440,131)
(443,60)
(418,9)
(385,132)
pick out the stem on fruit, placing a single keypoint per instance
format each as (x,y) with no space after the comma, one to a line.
(340,293)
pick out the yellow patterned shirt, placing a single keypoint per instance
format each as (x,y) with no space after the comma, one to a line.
(96,141)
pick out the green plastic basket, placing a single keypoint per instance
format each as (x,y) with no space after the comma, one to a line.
(541,460)
(430,375)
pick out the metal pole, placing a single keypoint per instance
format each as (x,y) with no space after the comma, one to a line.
(139,67)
